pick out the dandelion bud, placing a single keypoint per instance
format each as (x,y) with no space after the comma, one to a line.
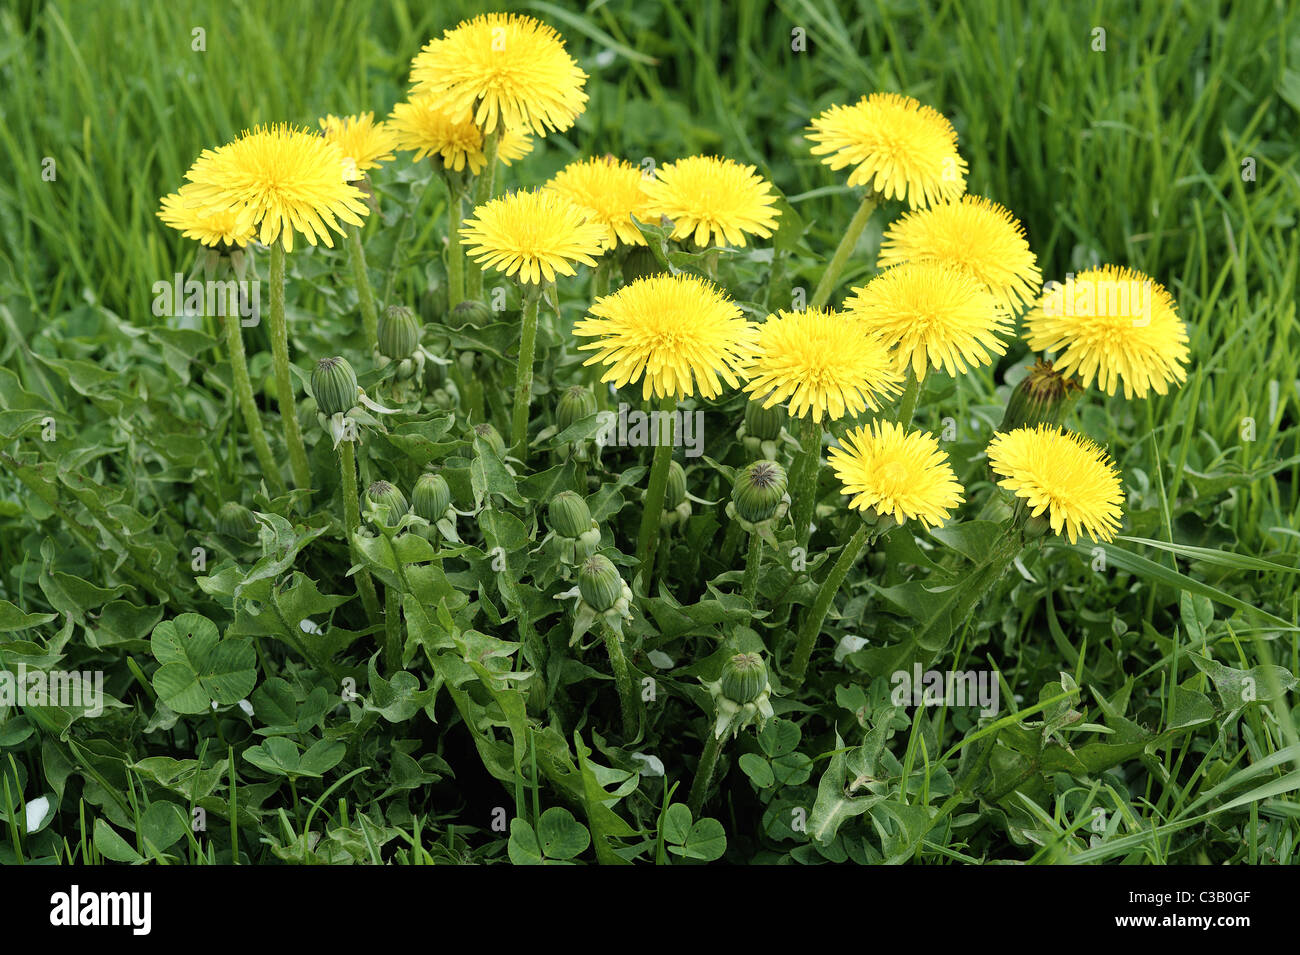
(599,583)
(389,502)
(765,424)
(334,385)
(470,313)
(675,493)
(431,497)
(236,522)
(744,677)
(576,403)
(1043,397)
(492,437)
(568,515)
(399,333)
(758,491)
(640,262)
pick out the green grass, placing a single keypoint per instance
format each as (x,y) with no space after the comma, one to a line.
(1133,155)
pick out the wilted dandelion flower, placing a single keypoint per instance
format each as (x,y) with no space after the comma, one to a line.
(208,228)
(610,192)
(1115,325)
(673,333)
(896,146)
(934,314)
(280,178)
(892,471)
(826,364)
(365,143)
(714,200)
(507,70)
(532,235)
(1064,474)
(974,234)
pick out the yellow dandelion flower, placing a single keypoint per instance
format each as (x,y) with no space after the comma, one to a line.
(508,69)
(424,129)
(609,191)
(208,228)
(1115,325)
(892,471)
(532,235)
(515,144)
(712,199)
(365,143)
(280,178)
(898,147)
(972,233)
(1064,474)
(934,314)
(826,364)
(673,333)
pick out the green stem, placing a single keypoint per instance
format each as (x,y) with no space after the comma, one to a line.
(283,383)
(392,630)
(753,561)
(653,505)
(524,374)
(812,621)
(628,701)
(455,251)
(482,194)
(907,403)
(704,773)
(365,297)
(247,403)
(822,294)
(807,469)
(352,523)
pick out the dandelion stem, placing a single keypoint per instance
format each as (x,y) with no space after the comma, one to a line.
(753,562)
(352,523)
(813,618)
(392,630)
(365,297)
(524,373)
(283,383)
(704,773)
(652,508)
(907,403)
(455,251)
(247,404)
(822,294)
(483,193)
(628,701)
(807,468)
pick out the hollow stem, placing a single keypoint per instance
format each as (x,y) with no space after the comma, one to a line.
(392,629)
(455,251)
(482,193)
(628,701)
(352,523)
(653,505)
(822,294)
(279,331)
(524,373)
(907,403)
(813,618)
(704,773)
(753,561)
(247,403)
(365,296)
(807,468)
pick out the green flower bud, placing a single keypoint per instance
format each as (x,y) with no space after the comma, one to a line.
(431,497)
(576,403)
(568,515)
(1044,396)
(744,678)
(1036,527)
(764,423)
(334,385)
(599,583)
(758,491)
(639,263)
(399,333)
(236,522)
(388,501)
(470,313)
(492,437)
(675,492)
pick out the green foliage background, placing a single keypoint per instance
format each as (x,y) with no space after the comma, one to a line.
(1133,155)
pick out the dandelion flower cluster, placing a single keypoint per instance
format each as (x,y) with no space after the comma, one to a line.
(504,69)
(1064,474)
(1115,325)
(714,200)
(896,146)
(280,178)
(365,143)
(208,228)
(532,235)
(421,127)
(673,333)
(934,315)
(826,364)
(974,234)
(609,191)
(892,471)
